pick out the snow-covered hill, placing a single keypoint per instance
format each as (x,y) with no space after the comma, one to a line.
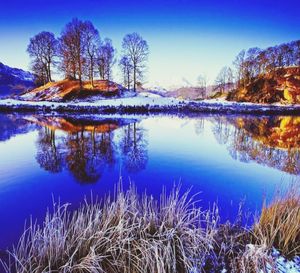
(14,80)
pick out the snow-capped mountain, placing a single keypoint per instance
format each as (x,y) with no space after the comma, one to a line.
(14,81)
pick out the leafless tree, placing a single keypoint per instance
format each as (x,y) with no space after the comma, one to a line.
(91,41)
(257,61)
(126,70)
(239,65)
(137,51)
(202,84)
(73,46)
(42,49)
(106,59)
(224,79)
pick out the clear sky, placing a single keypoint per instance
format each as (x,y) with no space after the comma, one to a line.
(186,37)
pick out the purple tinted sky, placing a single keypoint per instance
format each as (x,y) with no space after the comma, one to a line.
(186,37)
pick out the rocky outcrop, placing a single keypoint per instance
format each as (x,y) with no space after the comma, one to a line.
(282,85)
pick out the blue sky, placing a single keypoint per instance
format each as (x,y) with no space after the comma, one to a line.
(186,37)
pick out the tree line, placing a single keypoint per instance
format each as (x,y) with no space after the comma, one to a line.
(255,61)
(80,54)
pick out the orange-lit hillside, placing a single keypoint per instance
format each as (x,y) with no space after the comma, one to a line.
(62,124)
(70,89)
(282,85)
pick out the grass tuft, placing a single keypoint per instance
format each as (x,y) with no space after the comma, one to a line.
(279,223)
(133,233)
(127,233)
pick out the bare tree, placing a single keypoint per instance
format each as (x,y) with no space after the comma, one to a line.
(38,69)
(42,49)
(126,70)
(257,61)
(91,42)
(137,51)
(224,79)
(73,45)
(202,84)
(106,59)
(239,65)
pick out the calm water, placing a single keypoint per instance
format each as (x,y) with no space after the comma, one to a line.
(227,158)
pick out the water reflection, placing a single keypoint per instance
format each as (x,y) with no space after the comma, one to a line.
(86,148)
(134,148)
(270,141)
(12,125)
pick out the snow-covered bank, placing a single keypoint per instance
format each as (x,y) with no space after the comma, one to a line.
(143,104)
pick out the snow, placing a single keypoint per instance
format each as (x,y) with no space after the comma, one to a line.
(127,101)
(285,266)
(148,102)
(149,95)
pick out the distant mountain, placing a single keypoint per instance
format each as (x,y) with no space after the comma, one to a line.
(191,93)
(14,81)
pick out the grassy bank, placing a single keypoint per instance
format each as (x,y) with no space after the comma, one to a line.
(133,233)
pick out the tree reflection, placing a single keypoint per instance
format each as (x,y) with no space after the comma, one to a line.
(107,148)
(48,155)
(221,130)
(134,148)
(271,141)
(83,159)
(199,125)
(86,149)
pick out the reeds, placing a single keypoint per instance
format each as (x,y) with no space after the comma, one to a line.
(126,233)
(279,223)
(134,233)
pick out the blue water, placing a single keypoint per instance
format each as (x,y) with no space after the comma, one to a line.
(226,158)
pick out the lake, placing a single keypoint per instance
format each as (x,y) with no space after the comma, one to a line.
(228,158)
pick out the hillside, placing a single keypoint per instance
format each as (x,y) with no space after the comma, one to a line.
(66,90)
(282,85)
(191,93)
(14,81)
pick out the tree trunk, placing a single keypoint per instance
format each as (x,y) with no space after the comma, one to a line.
(92,72)
(134,79)
(49,72)
(128,80)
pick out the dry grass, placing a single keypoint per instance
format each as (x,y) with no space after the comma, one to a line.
(279,223)
(122,234)
(131,233)
(68,89)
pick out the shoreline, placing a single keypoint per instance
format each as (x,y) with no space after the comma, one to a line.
(145,105)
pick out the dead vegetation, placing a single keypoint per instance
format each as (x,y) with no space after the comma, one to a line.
(70,89)
(133,233)
(279,224)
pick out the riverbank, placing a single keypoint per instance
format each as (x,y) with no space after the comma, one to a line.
(134,233)
(147,105)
